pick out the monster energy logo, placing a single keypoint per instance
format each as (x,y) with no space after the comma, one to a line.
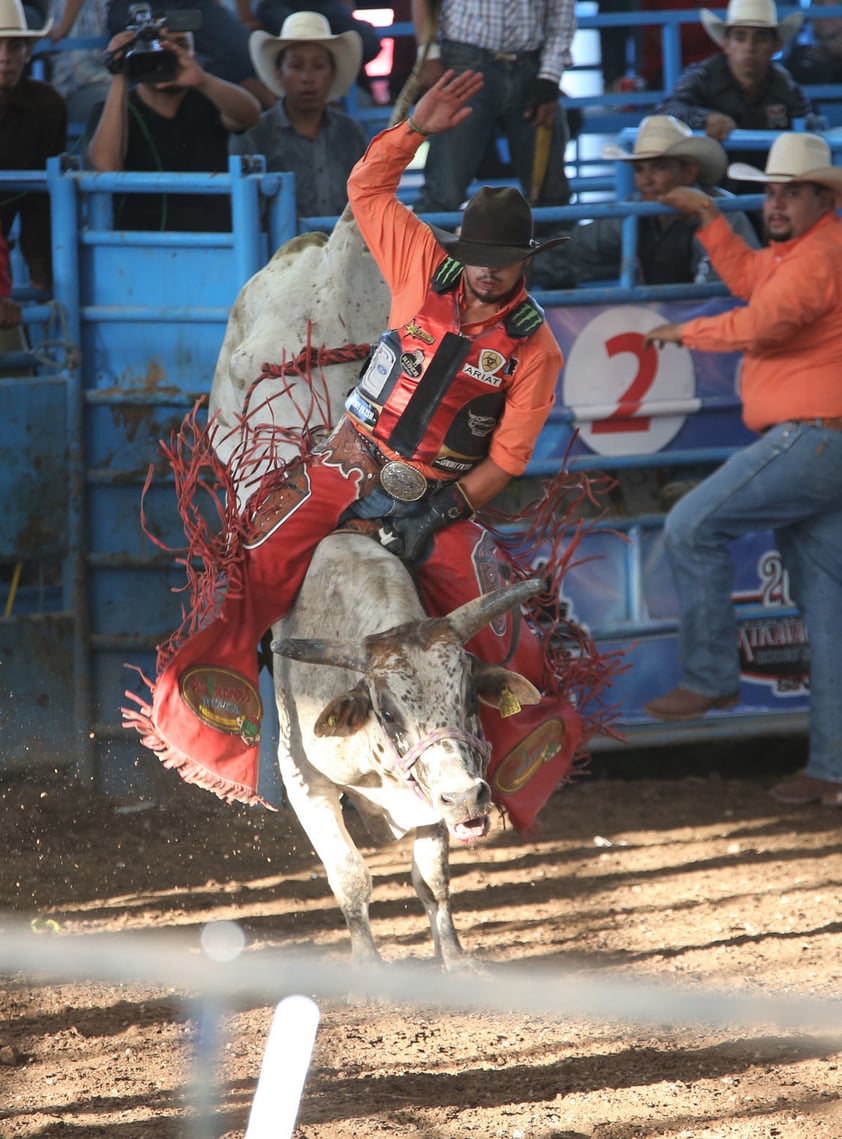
(526,318)
(449,271)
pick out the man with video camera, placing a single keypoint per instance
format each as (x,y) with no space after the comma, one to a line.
(176,118)
(221,39)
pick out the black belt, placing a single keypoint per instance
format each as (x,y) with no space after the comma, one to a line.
(500,56)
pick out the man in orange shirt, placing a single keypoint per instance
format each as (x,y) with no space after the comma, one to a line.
(790,480)
(446,411)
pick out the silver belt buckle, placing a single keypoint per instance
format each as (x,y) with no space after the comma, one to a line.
(402,481)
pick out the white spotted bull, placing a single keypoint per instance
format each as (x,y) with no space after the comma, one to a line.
(391,726)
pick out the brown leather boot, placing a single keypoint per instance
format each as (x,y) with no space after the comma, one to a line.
(803,789)
(682,704)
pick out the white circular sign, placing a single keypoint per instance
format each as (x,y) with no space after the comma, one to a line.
(628,399)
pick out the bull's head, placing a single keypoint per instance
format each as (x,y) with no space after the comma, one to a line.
(423,690)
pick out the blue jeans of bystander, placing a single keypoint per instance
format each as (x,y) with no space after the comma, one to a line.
(455,155)
(790,482)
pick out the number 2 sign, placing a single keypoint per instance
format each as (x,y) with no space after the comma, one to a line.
(628,398)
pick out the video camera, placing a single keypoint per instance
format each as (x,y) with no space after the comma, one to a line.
(145,59)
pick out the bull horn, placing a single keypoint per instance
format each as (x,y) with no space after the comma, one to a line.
(468,619)
(315,651)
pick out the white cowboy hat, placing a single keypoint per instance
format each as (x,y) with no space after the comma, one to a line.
(751,14)
(307,27)
(13,23)
(662,136)
(794,158)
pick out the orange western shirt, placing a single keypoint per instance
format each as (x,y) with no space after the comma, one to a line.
(408,255)
(791,329)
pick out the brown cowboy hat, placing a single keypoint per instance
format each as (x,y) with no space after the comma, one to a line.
(496,230)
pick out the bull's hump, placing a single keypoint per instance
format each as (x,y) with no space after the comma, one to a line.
(295,245)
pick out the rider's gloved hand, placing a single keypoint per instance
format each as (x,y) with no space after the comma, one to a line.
(406,535)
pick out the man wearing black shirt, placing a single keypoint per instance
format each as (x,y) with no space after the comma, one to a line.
(179,126)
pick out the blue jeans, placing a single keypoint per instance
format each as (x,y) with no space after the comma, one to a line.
(455,155)
(790,482)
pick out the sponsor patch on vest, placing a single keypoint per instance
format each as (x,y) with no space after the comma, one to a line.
(412,329)
(480,425)
(225,700)
(412,363)
(526,757)
(490,362)
(361,409)
(454,465)
(378,371)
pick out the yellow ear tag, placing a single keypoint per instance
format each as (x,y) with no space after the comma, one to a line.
(331,721)
(509,704)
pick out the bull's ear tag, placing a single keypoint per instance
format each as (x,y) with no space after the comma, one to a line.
(509,704)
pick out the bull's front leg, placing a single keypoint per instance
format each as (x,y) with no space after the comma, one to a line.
(319,809)
(431,879)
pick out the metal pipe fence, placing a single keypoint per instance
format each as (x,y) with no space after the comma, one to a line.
(213,975)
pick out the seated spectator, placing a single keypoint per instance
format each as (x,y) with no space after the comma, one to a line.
(33,127)
(741,87)
(80,76)
(181,125)
(221,42)
(273,14)
(821,60)
(666,154)
(308,68)
(9,311)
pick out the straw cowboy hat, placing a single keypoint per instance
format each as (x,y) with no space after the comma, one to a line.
(13,23)
(496,230)
(751,14)
(794,158)
(662,136)
(307,27)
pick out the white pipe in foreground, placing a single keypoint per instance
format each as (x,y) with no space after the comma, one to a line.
(286,1062)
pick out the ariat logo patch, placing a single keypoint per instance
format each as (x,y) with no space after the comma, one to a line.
(224,700)
(412,363)
(525,759)
(412,329)
(490,363)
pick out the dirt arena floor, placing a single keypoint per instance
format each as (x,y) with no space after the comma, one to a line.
(679,869)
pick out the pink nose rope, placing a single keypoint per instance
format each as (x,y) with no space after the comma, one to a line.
(409,759)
